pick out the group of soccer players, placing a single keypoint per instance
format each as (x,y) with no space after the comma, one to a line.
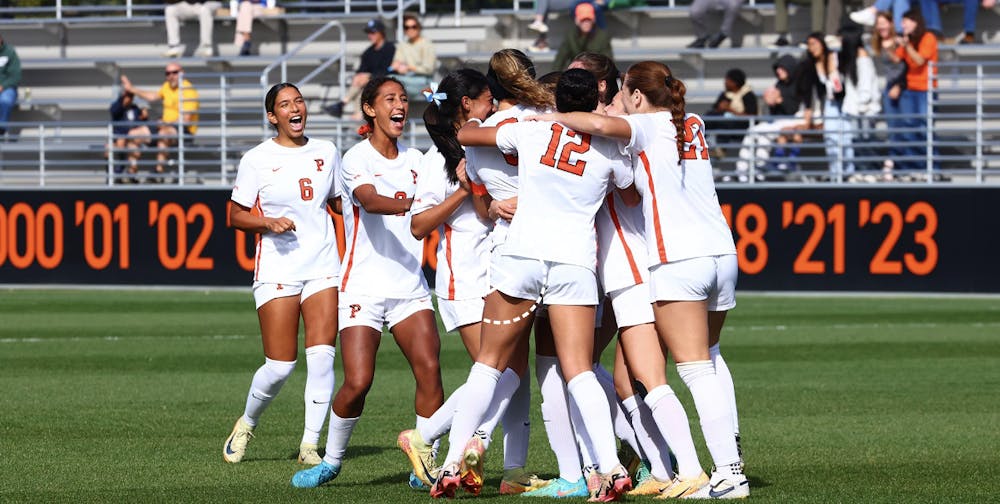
(579,210)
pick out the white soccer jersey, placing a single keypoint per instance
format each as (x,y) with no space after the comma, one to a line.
(681,208)
(293,182)
(621,248)
(382,259)
(463,253)
(564,177)
(497,172)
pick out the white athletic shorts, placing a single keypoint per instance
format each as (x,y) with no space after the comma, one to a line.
(376,312)
(563,284)
(456,313)
(264,292)
(631,305)
(711,278)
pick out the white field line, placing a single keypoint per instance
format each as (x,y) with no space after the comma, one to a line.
(112,339)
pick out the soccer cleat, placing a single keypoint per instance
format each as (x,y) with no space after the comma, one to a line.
(610,486)
(629,458)
(592,478)
(680,488)
(560,488)
(309,454)
(416,484)
(316,475)
(646,483)
(472,465)
(420,453)
(518,480)
(729,483)
(447,482)
(236,444)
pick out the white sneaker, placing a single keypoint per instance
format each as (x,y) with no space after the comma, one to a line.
(206,51)
(727,484)
(541,27)
(864,17)
(172,52)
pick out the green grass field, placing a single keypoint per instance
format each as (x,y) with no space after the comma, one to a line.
(127,396)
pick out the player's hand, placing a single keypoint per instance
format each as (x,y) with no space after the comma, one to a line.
(463,177)
(280,225)
(503,209)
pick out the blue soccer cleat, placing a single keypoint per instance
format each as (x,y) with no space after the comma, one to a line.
(560,488)
(416,484)
(316,475)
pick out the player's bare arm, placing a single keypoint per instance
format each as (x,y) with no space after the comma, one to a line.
(241,218)
(375,203)
(589,122)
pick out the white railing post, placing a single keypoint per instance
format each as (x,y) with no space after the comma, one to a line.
(223,119)
(180,129)
(752,168)
(58,9)
(41,155)
(111,153)
(128,8)
(928,126)
(979,123)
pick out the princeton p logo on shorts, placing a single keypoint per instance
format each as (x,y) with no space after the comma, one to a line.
(355,308)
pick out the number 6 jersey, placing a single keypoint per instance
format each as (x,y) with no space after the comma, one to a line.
(295,183)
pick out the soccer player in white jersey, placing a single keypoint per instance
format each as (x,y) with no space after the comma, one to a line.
(551,249)
(692,257)
(289,181)
(382,283)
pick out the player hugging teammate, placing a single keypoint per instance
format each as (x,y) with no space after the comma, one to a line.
(545,205)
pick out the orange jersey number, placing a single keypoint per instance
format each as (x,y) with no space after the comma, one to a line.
(567,149)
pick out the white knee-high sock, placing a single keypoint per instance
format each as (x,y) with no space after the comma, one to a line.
(266,384)
(713,410)
(586,393)
(555,416)
(320,380)
(649,437)
(337,436)
(439,423)
(620,420)
(421,424)
(517,425)
(506,386)
(471,408)
(672,421)
(726,381)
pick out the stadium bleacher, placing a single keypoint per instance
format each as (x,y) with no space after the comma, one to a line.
(72,60)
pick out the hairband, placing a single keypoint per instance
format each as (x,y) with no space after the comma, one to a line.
(433,95)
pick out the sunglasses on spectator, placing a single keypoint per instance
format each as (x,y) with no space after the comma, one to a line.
(411,27)
(172,72)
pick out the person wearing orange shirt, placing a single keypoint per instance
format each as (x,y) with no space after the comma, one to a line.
(919,49)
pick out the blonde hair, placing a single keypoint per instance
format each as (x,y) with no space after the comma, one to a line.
(511,68)
(876,38)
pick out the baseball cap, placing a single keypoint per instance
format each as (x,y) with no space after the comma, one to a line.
(584,11)
(375,25)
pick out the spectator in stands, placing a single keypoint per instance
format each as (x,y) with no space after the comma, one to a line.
(932,13)
(415,59)
(128,125)
(170,93)
(826,89)
(178,10)
(245,14)
(587,37)
(918,48)
(737,100)
(10,78)
(785,102)
(375,62)
(894,69)
(543,7)
(700,12)
(820,22)
(862,100)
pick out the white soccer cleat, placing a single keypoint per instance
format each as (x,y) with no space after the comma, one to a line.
(729,483)
(236,444)
(309,454)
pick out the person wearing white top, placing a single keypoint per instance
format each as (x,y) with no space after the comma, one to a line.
(382,282)
(550,253)
(691,255)
(862,95)
(288,181)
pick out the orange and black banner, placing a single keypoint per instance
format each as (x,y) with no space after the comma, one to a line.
(851,238)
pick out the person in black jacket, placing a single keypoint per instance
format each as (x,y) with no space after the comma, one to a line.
(128,126)
(738,100)
(376,61)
